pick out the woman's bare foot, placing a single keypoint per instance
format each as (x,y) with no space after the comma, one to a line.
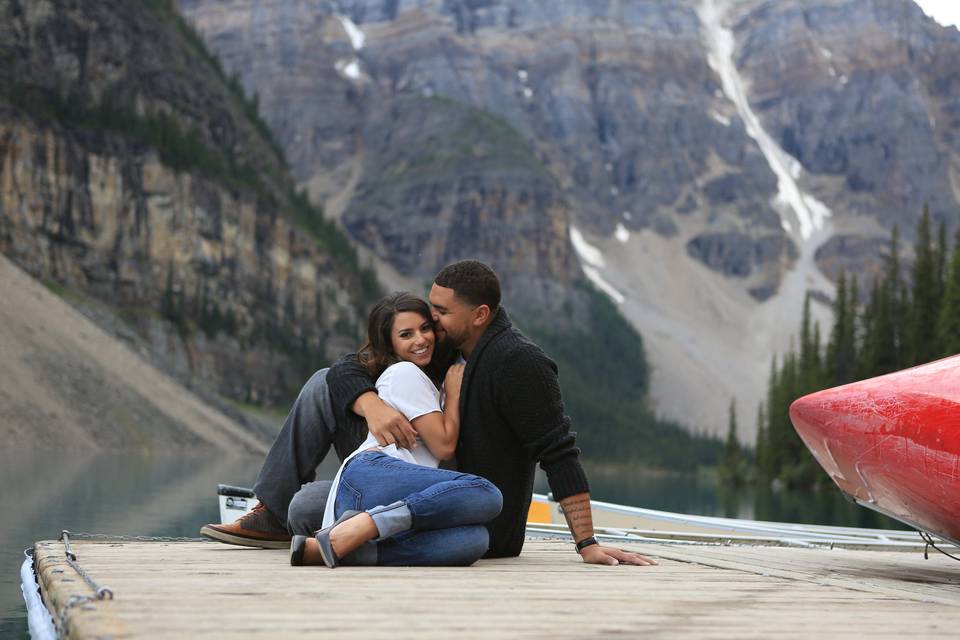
(311,552)
(344,538)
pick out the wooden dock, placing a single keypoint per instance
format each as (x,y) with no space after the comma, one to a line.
(188,589)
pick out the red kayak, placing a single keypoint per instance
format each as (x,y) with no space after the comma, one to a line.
(892,443)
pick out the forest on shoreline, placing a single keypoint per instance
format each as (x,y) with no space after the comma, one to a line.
(910,316)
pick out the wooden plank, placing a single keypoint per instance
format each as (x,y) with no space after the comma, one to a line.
(172,590)
(885,573)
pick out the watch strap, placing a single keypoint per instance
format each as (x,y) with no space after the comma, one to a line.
(586,542)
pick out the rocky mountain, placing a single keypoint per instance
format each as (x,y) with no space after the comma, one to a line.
(139,183)
(707,162)
(70,385)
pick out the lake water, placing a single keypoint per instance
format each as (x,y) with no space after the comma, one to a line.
(43,492)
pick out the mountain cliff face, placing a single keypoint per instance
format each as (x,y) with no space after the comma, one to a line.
(133,175)
(420,177)
(711,160)
(866,96)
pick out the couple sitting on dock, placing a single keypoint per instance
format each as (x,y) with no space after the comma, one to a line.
(452,378)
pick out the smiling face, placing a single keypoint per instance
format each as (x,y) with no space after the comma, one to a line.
(452,317)
(412,338)
(458,323)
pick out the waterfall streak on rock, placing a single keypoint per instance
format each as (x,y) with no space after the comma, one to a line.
(810,212)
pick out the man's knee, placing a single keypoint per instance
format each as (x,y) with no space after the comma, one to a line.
(317,384)
(305,514)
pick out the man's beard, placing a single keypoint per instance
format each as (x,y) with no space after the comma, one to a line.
(444,354)
(444,349)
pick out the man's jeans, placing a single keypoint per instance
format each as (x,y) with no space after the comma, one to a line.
(425,516)
(286,480)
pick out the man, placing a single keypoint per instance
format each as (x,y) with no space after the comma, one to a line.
(511,418)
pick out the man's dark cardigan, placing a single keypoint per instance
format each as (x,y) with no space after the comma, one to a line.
(511,417)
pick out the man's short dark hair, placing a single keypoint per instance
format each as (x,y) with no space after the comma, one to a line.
(473,282)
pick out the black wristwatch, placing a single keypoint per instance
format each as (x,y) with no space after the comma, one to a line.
(586,542)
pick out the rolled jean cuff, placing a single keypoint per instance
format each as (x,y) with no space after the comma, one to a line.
(391,519)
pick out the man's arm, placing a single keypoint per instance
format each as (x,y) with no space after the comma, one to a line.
(576,509)
(534,409)
(352,390)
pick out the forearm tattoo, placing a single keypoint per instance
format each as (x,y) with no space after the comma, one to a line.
(576,510)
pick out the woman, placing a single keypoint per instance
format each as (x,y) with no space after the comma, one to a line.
(393,506)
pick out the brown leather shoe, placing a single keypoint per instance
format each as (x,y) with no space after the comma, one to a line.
(259,528)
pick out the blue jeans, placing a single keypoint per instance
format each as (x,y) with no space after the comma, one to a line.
(425,516)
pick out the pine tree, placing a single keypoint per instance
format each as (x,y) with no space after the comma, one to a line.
(941,256)
(808,373)
(731,464)
(883,319)
(168,302)
(896,305)
(763,468)
(773,444)
(948,326)
(842,345)
(920,340)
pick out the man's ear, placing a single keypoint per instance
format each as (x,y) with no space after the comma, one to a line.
(481,315)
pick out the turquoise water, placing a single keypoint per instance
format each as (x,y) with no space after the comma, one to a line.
(43,492)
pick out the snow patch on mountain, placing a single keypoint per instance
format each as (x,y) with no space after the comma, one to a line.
(593,262)
(357,37)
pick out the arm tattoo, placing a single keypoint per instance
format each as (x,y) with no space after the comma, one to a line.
(576,509)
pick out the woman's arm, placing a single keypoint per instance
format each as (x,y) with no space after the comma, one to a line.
(440,431)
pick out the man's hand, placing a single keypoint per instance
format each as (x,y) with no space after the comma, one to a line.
(387,425)
(595,554)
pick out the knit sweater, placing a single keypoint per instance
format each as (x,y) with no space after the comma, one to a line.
(511,417)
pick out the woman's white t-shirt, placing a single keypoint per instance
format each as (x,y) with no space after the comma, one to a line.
(405,387)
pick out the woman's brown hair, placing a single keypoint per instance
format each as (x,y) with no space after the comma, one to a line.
(377,354)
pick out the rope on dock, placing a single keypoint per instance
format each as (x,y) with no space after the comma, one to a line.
(100,593)
(929,542)
(84,535)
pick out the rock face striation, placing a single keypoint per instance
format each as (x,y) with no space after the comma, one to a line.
(133,178)
(706,162)
(866,96)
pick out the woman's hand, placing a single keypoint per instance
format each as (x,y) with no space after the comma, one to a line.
(453,380)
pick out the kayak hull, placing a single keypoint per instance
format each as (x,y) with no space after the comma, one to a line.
(892,443)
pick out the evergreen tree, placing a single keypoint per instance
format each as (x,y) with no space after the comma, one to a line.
(809,356)
(883,319)
(898,304)
(948,326)
(180,310)
(941,256)
(731,464)
(168,304)
(920,340)
(772,443)
(764,468)
(842,348)
(230,322)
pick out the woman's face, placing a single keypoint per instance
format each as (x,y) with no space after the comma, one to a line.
(412,338)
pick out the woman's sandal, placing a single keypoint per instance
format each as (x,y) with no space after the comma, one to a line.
(299,543)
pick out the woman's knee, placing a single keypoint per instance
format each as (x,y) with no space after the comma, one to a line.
(491,500)
(476,541)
